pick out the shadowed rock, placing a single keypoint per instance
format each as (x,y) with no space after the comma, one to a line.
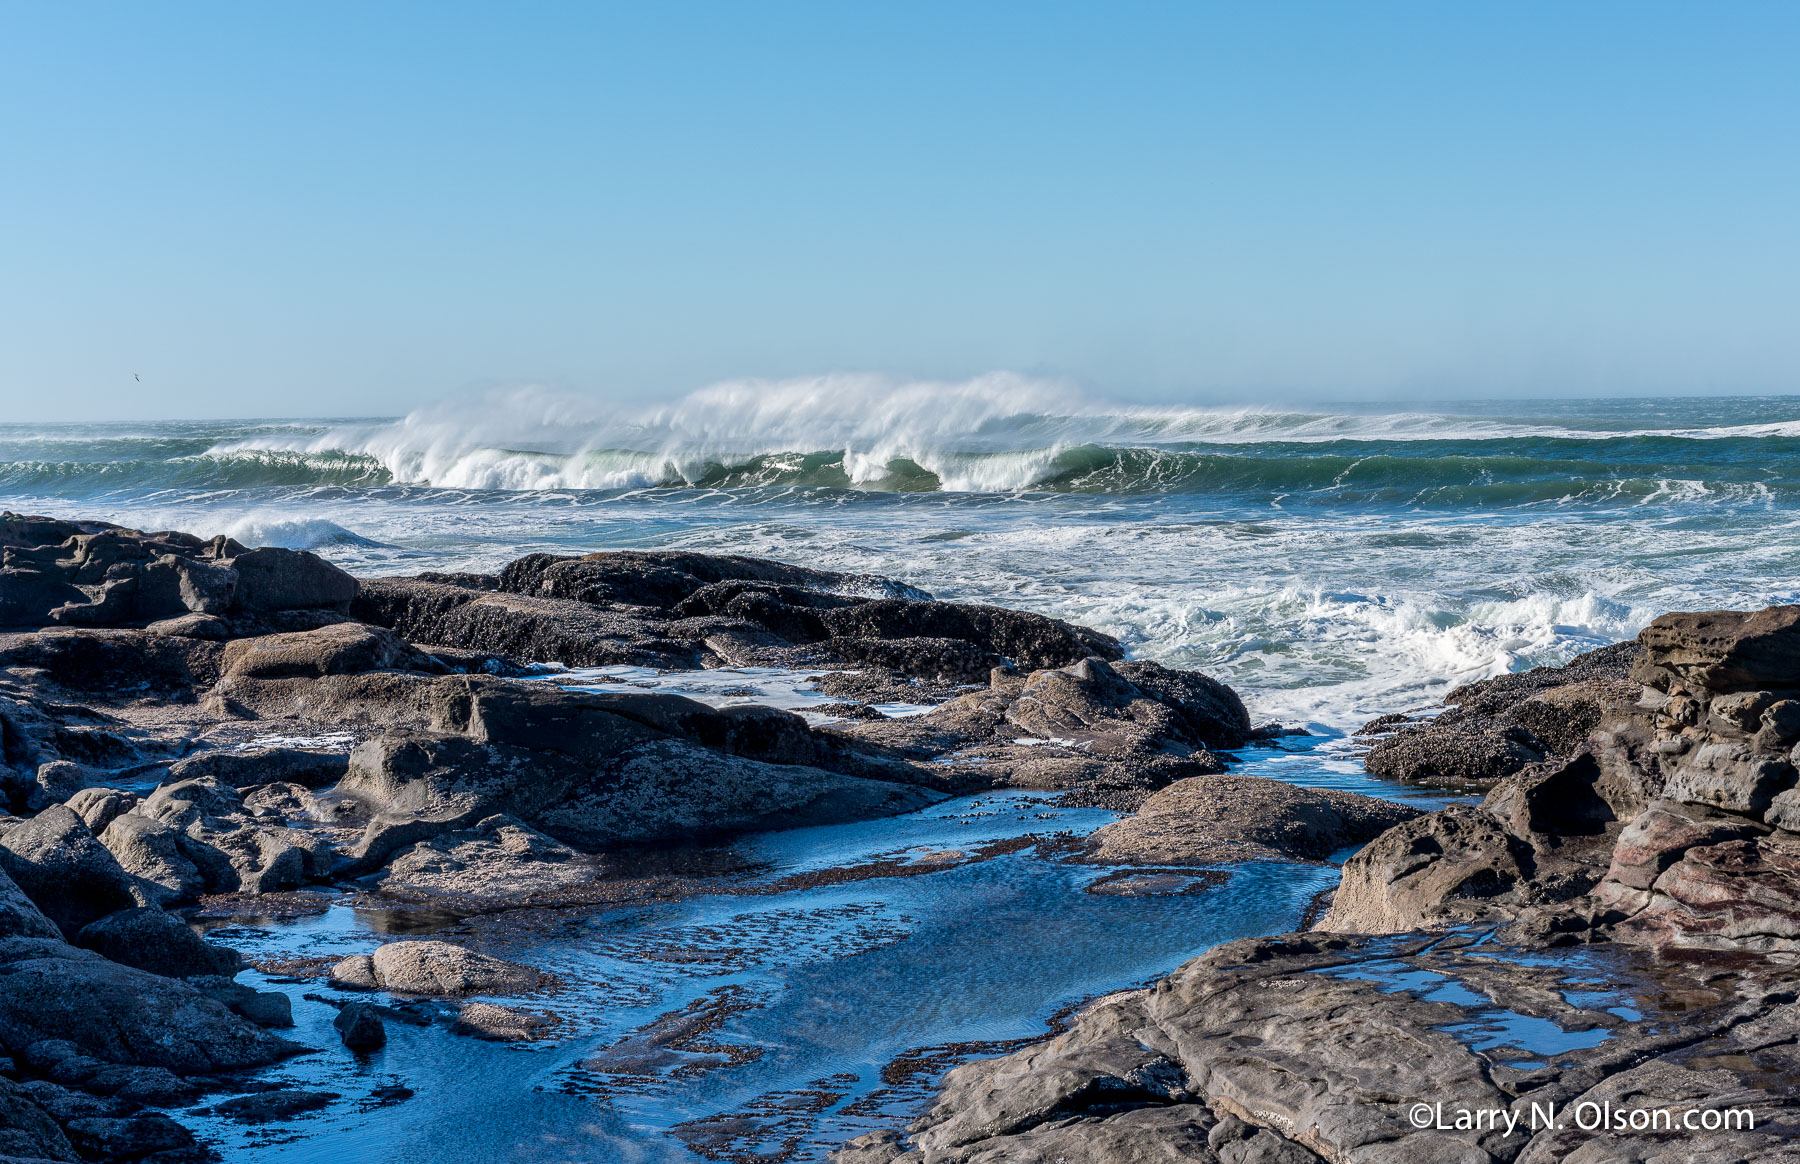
(152,940)
(360,1027)
(71,876)
(117,1014)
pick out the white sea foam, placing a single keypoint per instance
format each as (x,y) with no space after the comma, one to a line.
(304,533)
(996,433)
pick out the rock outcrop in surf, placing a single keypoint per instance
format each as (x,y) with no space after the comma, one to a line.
(1612,929)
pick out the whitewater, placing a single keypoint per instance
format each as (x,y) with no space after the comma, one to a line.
(1331,563)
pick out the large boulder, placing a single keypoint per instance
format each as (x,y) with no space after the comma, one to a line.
(274,579)
(359,1025)
(1211,712)
(1724,650)
(1414,873)
(499,861)
(118,1014)
(97,574)
(436,968)
(27,1132)
(598,769)
(161,943)
(155,854)
(232,850)
(69,874)
(1224,818)
(340,649)
(19,915)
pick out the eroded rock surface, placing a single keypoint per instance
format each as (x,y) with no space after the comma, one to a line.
(1495,727)
(1307,1047)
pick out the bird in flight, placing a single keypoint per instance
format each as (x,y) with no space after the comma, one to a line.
(137,377)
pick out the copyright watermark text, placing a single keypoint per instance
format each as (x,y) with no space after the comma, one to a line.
(1587,1116)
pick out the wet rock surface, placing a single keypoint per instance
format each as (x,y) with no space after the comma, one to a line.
(1612,933)
(1311,1046)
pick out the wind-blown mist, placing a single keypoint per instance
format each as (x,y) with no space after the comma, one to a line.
(998,433)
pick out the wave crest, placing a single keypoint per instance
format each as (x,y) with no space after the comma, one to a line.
(1000,433)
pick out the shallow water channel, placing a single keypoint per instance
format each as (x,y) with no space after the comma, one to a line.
(783,1013)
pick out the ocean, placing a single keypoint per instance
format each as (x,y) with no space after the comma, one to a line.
(1332,564)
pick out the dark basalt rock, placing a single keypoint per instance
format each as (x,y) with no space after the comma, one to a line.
(1441,753)
(152,940)
(272,579)
(265,1106)
(27,1131)
(265,1008)
(65,871)
(130,1138)
(19,915)
(360,1027)
(684,611)
(1493,728)
(96,574)
(664,579)
(119,1015)
(1211,712)
(560,630)
(117,662)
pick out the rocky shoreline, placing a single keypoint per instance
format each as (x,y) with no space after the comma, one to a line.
(1611,933)
(197,724)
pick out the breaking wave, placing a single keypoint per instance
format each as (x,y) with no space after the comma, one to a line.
(994,434)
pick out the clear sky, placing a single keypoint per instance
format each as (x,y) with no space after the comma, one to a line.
(350,209)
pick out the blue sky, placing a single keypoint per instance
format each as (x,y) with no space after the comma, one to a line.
(342,209)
